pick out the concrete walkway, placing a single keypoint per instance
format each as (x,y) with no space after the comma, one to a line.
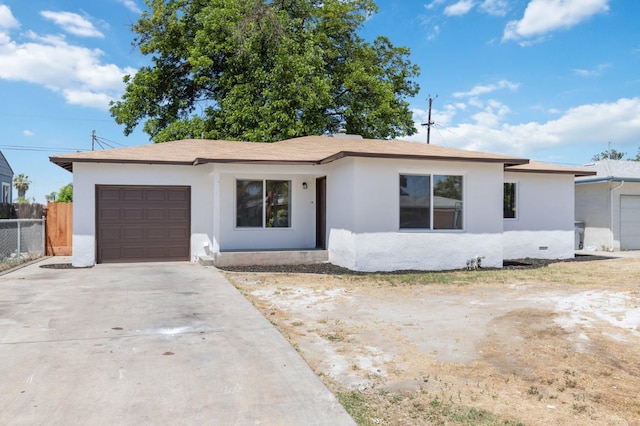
(612,254)
(162,343)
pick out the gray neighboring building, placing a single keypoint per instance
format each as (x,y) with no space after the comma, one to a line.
(608,204)
(6,179)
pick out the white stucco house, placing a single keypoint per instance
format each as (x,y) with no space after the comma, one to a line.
(367,205)
(607,205)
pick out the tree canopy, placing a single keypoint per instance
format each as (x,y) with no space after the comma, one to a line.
(21,183)
(265,70)
(610,154)
(65,195)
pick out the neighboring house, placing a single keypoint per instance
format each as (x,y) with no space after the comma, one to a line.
(367,205)
(6,179)
(608,205)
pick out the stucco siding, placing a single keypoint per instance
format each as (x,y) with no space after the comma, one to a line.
(376,243)
(86,176)
(302,232)
(598,205)
(593,204)
(544,223)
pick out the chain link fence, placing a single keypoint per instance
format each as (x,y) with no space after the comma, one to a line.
(21,240)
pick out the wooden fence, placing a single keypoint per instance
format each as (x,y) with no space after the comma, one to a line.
(22,211)
(59,229)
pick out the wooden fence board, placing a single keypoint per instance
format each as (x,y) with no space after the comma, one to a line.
(59,229)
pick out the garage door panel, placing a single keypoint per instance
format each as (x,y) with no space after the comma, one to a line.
(109,213)
(177,195)
(134,214)
(110,233)
(630,222)
(132,194)
(143,223)
(155,195)
(110,194)
(178,214)
(156,233)
(156,214)
(132,234)
(177,252)
(177,233)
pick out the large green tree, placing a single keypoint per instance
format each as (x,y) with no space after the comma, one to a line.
(265,70)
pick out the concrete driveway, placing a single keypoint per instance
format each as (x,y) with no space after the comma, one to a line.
(161,343)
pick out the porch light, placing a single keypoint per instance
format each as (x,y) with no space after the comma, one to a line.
(304,185)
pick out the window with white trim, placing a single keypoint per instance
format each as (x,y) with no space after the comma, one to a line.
(431,202)
(6,192)
(263,203)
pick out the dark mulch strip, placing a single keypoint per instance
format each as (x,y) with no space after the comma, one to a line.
(63,266)
(331,269)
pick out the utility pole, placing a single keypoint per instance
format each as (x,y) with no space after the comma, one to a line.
(429,123)
(93,139)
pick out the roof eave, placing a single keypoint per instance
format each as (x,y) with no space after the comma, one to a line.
(67,163)
(342,154)
(199,161)
(607,179)
(551,172)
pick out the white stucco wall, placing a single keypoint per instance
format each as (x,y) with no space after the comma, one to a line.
(598,205)
(544,226)
(374,242)
(301,234)
(87,175)
(592,206)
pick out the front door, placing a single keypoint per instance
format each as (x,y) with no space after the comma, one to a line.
(321,213)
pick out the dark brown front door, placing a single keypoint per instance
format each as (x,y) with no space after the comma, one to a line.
(321,215)
(142,223)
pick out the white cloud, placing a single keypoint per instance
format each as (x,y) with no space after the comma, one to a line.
(492,114)
(593,72)
(433,4)
(487,88)
(76,72)
(72,23)
(585,125)
(28,133)
(460,8)
(131,5)
(494,7)
(435,31)
(87,98)
(7,20)
(544,16)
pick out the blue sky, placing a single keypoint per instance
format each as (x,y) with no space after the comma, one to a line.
(550,80)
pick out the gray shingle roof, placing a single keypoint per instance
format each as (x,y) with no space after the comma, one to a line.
(612,170)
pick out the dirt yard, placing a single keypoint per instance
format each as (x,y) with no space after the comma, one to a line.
(557,345)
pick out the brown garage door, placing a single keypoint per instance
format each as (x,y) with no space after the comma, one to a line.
(143,223)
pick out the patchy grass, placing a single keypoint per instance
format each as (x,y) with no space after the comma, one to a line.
(366,409)
(8,264)
(381,342)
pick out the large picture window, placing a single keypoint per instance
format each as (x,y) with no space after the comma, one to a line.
(263,203)
(431,202)
(509,200)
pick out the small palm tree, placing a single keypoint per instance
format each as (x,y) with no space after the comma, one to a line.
(21,183)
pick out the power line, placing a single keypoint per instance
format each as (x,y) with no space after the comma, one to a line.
(51,117)
(38,148)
